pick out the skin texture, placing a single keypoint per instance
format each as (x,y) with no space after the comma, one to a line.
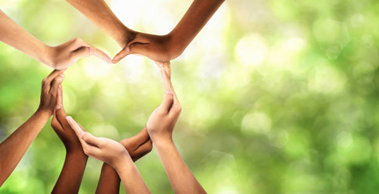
(114,154)
(158,48)
(14,147)
(58,57)
(160,127)
(73,169)
(137,146)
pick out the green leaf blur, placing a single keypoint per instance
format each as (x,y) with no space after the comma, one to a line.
(278,96)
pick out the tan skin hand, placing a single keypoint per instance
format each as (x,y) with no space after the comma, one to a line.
(158,48)
(49,91)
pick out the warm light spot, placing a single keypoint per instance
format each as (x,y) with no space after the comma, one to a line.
(251,49)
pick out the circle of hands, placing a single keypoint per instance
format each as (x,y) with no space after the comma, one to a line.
(159,127)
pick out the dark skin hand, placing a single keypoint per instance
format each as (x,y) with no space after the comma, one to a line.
(72,173)
(137,146)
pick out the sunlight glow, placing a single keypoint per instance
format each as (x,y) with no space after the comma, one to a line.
(251,49)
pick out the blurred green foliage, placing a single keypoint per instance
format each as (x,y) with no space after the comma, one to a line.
(278,96)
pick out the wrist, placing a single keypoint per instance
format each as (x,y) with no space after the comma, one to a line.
(162,141)
(124,163)
(43,113)
(46,56)
(174,46)
(76,152)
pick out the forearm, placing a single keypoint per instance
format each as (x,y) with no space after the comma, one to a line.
(72,173)
(131,178)
(192,22)
(14,147)
(14,35)
(102,16)
(109,182)
(180,176)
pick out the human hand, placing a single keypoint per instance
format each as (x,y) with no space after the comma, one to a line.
(66,54)
(138,145)
(157,48)
(104,149)
(162,121)
(62,128)
(49,91)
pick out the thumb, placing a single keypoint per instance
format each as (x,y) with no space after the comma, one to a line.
(135,48)
(167,102)
(74,125)
(90,139)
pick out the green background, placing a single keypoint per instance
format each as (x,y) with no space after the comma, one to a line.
(278,96)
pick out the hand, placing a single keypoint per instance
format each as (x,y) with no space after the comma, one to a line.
(157,48)
(62,128)
(64,55)
(49,92)
(104,149)
(162,121)
(138,145)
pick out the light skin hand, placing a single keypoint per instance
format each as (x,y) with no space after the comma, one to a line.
(137,146)
(66,54)
(112,153)
(73,169)
(160,127)
(14,147)
(58,57)
(162,121)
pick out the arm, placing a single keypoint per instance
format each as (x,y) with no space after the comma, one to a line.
(114,154)
(73,169)
(170,46)
(160,127)
(102,16)
(137,146)
(58,57)
(14,147)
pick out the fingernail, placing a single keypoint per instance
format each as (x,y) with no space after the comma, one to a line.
(62,75)
(82,134)
(90,51)
(127,49)
(69,119)
(58,107)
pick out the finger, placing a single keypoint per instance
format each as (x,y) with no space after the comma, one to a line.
(61,117)
(101,55)
(74,125)
(139,139)
(55,84)
(120,55)
(143,150)
(52,75)
(60,97)
(166,66)
(166,80)
(92,140)
(55,123)
(167,102)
